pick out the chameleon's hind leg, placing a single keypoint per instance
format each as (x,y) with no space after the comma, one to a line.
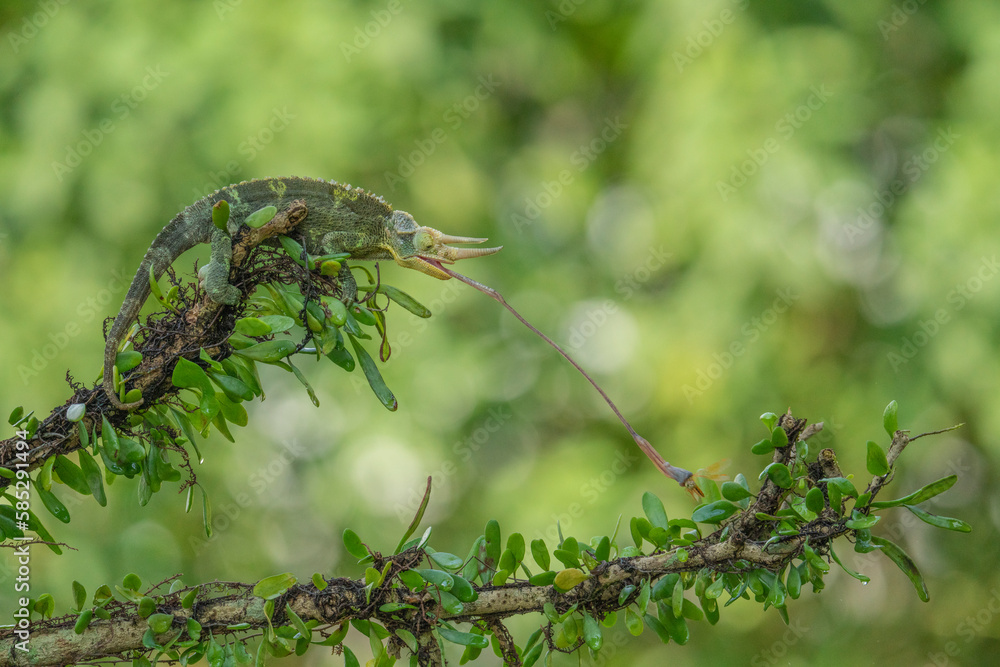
(215,275)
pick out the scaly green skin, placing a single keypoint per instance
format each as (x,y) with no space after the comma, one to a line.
(340,219)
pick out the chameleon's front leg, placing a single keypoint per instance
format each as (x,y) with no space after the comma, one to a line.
(348,286)
(215,274)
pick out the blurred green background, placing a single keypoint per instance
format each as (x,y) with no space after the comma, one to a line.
(721,208)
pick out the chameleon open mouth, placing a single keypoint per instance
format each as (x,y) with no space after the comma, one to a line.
(436,263)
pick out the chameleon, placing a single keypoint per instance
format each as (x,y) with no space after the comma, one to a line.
(340,219)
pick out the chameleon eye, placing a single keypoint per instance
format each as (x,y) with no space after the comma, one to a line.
(422,241)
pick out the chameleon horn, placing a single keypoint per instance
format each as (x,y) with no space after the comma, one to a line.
(466,253)
(446,238)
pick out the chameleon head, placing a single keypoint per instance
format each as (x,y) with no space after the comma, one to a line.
(425,249)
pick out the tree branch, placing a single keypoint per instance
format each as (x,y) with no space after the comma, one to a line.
(737,547)
(204,324)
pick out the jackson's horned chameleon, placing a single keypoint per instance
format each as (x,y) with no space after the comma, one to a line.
(340,219)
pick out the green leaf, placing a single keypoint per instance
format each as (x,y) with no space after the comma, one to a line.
(160,623)
(463,638)
(253,326)
(342,357)
(842,484)
(442,580)
(769,419)
(298,623)
(374,377)
(147,606)
(532,655)
(154,287)
(920,495)
(270,351)
(411,580)
(515,543)
(570,578)
(234,388)
(417,518)
(633,622)
(734,492)
(653,508)
(261,217)
(657,627)
(716,512)
(592,632)
(363,315)
(329,267)
(71,475)
(53,504)
(793,583)
(189,598)
(542,579)
(779,474)
(905,563)
(940,521)
(305,383)
(194,630)
(274,586)
(44,478)
(540,553)
(109,439)
(405,300)
(92,473)
(75,412)
(354,545)
(83,622)
(79,595)
(277,323)
(889,418)
(126,361)
(677,597)
(860,577)
(603,551)
(779,438)
(450,603)
(189,375)
(714,590)
(15,415)
(507,561)
(493,544)
(859,521)
(763,447)
(336,637)
(338,312)
(446,560)
(876,462)
(130,450)
(675,625)
(131,582)
(463,590)
(815,502)
(662,589)
(293,248)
